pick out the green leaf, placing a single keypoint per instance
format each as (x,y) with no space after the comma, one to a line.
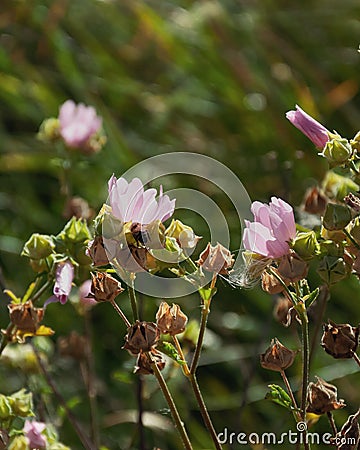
(207,293)
(310,298)
(278,395)
(169,350)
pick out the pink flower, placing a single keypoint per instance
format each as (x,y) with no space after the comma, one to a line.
(316,132)
(78,123)
(272,229)
(64,276)
(130,202)
(84,291)
(32,431)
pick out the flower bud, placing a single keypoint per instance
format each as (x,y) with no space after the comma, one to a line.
(75,231)
(217,259)
(104,287)
(5,408)
(337,186)
(25,316)
(337,151)
(336,217)
(332,269)
(96,251)
(340,340)
(306,245)
(277,357)
(21,403)
(322,397)
(73,346)
(315,201)
(141,337)
(38,246)
(170,319)
(19,443)
(271,284)
(292,267)
(183,234)
(349,435)
(143,365)
(49,130)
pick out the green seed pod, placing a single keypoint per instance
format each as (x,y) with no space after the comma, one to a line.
(336,217)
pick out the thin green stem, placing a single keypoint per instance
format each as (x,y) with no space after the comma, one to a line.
(296,413)
(332,422)
(40,292)
(174,412)
(204,317)
(203,410)
(121,314)
(281,281)
(305,375)
(185,367)
(132,297)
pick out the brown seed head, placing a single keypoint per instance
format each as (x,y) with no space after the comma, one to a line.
(315,201)
(143,365)
(271,284)
(277,357)
(349,435)
(322,397)
(292,267)
(25,316)
(170,319)
(104,288)
(340,340)
(141,337)
(96,251)
(217,259)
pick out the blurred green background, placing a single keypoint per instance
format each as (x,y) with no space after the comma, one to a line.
(213,77)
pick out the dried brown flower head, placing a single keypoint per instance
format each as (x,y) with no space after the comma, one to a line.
(216,259)
(292,267)
(322,397)
(271,284)
(277,357)
(25,316)
(353,201)
(340,340)
(348,437)
(141,337)
(96,251)
(104,288)
(143,365)
(315,201)
(170,319)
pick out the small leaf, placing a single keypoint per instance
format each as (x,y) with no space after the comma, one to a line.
(310,298)
(169,350)
(278,395)
(207,293)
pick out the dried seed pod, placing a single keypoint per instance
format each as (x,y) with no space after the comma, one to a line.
(141,337)
(96,251)
(217,259)
(170,319)
(277,357)
(292,267)
(315,201)
(25,316)
(271,284)
(104,288)
(322,397)
(340,340)
(348,437)
(143,365)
